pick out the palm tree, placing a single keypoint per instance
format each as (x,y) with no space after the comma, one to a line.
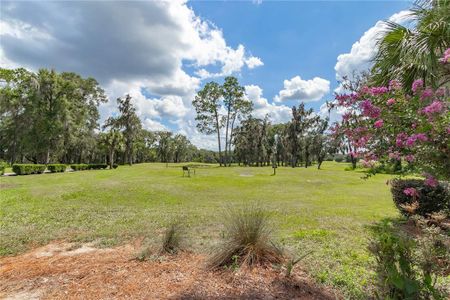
(410,53)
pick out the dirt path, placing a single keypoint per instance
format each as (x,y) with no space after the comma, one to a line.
(62,271)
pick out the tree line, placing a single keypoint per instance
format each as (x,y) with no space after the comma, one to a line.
(48,117)
(257,142)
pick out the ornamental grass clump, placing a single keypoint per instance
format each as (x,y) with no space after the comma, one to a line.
(171,241)
(247,239)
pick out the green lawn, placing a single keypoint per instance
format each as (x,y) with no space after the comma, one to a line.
(326,211)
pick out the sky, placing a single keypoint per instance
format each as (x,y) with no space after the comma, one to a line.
(162,53)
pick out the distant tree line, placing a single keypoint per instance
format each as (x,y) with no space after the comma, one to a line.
(49,117)
(257,142)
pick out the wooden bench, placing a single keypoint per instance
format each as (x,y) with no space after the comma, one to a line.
(187,170)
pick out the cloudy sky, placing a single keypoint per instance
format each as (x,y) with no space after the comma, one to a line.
(163,52)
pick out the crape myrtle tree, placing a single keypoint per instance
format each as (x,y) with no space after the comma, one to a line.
(211,102)
(391,123)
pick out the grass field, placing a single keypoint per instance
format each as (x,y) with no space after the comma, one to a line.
(326,211)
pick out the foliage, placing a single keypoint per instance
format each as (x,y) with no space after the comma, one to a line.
(247,238)
(411,51)
(383,124)
(56,168)
(208,104)
(26,169)
(47,116)
(430,199)
(79,167)
(97,166)
(130,124)
(407,267)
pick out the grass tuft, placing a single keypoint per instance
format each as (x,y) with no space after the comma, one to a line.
(171,242)
(247,239)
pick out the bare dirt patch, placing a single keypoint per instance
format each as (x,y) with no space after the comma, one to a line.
(62,271)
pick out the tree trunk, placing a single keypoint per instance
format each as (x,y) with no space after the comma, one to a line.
(226,136)
(218,138)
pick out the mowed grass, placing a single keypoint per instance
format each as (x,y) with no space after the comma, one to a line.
(325,211)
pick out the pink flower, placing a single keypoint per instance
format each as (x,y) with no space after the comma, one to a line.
(378,90)
(400,139)
(433,108)
(426,94)
(409,158)
(417,84)
(369,110)
(430,180)
(446,58)
(378,123)
(394,85)
(394,155)
(410,141)
(390,101)
(412,192)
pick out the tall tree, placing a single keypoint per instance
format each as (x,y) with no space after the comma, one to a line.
(207,105)
(131,125)
(236,106)
(112,139)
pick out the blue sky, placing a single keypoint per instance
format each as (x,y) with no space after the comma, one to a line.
(295,37)
(162,53)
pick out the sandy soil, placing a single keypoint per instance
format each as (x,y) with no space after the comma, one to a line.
(69,271)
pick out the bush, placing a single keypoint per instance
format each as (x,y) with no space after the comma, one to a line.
(115,166)
(79,167)
(247,240)
(409,267)
(26,169)
(430,199)
(56,168)
(339,158)
(2,168)
(97,166)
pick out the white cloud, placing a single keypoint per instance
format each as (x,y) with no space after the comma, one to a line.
(140,48)
(303,90)
(364,50)
(253,62)
(262,107)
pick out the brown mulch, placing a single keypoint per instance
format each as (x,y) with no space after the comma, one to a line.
(63,271)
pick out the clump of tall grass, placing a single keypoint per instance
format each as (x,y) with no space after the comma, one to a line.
(172,236)
(170,243)
(247,239)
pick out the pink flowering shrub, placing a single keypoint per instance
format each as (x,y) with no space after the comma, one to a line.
(386,124)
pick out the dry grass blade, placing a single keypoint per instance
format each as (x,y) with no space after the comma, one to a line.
(171,242)
(247,238)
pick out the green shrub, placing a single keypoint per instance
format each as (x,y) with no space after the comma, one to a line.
(54,168)
(115,166)
(79,167)
(2,168)
(247,239)
(430,199)
(26,169)
(97,166)
(409,267)
(339,158)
